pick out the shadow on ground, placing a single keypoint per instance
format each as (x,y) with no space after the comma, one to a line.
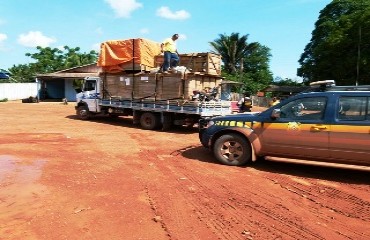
(202,154)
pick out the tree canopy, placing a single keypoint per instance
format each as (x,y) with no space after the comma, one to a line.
(49,60)
(339,47)
(244,62)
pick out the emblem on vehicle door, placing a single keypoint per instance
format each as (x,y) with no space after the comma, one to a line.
(294,127)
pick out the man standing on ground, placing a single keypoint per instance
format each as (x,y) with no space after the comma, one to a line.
(245,103)
(171,56)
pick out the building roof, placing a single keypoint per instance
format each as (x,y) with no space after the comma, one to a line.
(89,70)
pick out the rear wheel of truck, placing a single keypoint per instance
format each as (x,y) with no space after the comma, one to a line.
(83,113)
(149,121)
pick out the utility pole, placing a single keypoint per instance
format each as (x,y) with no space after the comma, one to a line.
(359,43)
(358,54)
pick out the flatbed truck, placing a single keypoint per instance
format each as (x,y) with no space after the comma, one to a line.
(150,113)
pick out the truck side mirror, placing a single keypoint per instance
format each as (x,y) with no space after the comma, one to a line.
(275,113)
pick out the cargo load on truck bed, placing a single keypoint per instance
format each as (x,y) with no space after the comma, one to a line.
(157,86)
(131,54)
(132,83)
(143,55)
(203,63)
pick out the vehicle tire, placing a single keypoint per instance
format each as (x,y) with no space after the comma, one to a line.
(149,121)
(83,113)
(232,150)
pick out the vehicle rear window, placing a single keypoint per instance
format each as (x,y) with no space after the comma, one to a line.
(353,108)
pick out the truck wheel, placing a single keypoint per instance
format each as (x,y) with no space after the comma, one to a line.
(83,113)
(149,121)
(232,150)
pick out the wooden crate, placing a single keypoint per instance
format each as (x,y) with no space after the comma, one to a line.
(159,86)
(200,82)
(135,67)
(205,63)
(170,86)
(145,85)
(117,85)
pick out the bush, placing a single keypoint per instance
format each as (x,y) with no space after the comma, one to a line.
(4,100)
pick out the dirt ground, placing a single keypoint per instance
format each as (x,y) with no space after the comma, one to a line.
(63,178)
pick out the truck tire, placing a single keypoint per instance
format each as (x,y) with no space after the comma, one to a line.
(149,121)
(83,113)
(232,149)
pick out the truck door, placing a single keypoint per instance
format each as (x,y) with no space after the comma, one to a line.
(91,94)
(299,132)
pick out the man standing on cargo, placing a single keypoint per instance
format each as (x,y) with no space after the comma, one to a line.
(171,56)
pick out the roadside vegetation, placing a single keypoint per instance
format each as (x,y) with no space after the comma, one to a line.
(47,60)
(340,45)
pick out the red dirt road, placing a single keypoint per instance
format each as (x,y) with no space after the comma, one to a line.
(62,178)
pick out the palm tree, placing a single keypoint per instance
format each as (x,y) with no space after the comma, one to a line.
(233,50)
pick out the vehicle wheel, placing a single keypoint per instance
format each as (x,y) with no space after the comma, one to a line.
(232,150)
(149,121)
(83,113)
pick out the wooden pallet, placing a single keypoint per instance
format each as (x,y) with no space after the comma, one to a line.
(206,63)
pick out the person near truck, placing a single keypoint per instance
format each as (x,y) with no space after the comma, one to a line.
(245,103)
(274,101)
(169,49)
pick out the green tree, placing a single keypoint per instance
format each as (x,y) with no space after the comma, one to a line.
(21,73)
(232,49)
(244,62)
(286,82)
(47,60)
(339,47)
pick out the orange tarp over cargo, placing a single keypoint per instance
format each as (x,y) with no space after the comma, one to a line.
(114,54)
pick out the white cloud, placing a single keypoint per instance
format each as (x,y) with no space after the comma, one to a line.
(123,8)
(165,12)
(99,31)
(144,31)
(96,47)
(34,39)
(3,37)
(182,36)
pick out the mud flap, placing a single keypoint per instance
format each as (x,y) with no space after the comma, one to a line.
(136,117)
(166,120)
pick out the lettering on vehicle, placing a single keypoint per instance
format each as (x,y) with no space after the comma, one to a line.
(233,124)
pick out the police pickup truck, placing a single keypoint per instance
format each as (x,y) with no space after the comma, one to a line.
(327,125)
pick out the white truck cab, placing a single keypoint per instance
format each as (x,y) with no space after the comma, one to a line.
(90,94)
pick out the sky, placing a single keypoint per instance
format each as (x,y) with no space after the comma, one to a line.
(284,26)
